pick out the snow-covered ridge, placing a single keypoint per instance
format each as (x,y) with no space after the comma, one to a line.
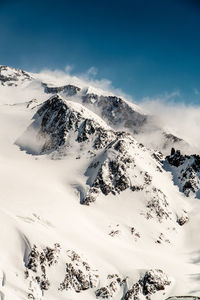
(69,90)
(13,77)
(59,123)
(114,110)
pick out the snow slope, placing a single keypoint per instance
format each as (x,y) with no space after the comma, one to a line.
(137,237)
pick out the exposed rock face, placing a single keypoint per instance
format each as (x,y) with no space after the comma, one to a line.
(158,206)
(47,257)
(79,275)
(60,121)
(110,290)
(182,220)
(186,172)
(68,90)
(153,281)
(121,114)
(11,76)
(112,176)
(37,268)
(116,111)
(116,170)
(150,283)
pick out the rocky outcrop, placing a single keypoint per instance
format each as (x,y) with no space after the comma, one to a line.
(111,289)
(41,264)
(116,170)
(186,172)
(58,121)
(79,276)
(117,111)
(68,90)
(151,282)
(112,166)
(37,268)
(114,110)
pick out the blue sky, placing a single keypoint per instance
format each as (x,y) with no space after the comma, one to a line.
(145,47)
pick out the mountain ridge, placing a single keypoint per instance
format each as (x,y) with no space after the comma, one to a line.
(116,111)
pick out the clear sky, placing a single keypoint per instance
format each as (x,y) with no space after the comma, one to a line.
(145,47)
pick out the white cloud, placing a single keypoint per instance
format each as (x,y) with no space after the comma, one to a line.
(86,79)
(178,118)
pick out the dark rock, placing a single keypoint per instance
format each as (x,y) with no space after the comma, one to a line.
(79,275)
(150,283)
(182,220)
(69,90)
(186,170)
(112,174)
(57,120)
(116,111)
(39,262)
(111,289)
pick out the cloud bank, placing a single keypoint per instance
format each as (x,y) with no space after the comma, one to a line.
(179,118)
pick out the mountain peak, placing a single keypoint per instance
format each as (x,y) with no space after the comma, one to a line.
(12,76)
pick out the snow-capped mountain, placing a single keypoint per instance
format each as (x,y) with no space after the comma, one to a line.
(115,111)
(87,210)
(13,77)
